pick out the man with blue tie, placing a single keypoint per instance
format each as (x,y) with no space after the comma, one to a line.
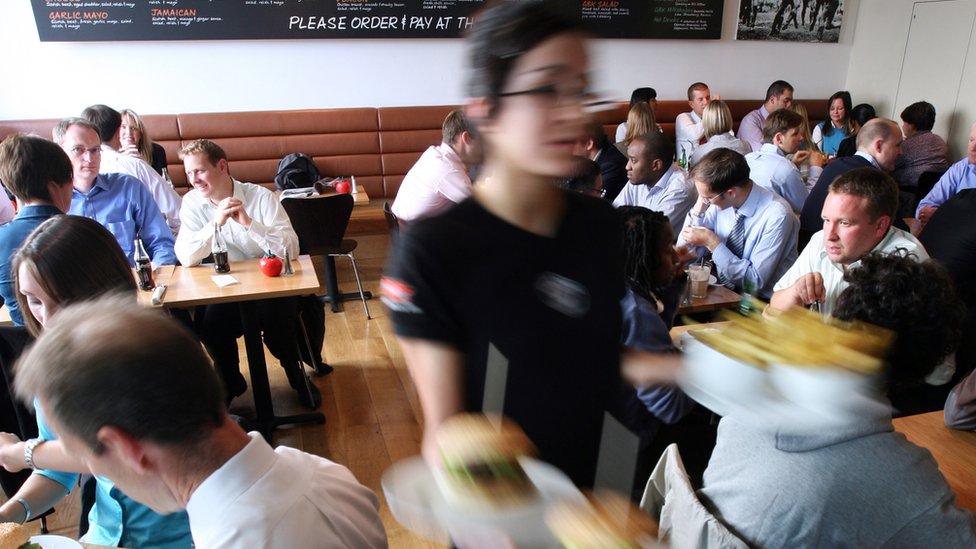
(750,231)
(121,203)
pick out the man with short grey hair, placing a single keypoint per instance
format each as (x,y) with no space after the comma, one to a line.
(141,405)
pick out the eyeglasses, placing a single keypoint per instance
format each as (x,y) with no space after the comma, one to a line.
(708,201)
(557,94)
(80,151)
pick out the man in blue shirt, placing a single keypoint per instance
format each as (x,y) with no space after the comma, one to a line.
(750,231)
(961,176)
(769,167)
(119,202)
(38,174)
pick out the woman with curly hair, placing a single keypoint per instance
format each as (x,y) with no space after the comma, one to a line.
(917,301)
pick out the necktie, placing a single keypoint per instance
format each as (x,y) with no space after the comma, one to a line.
(735,242)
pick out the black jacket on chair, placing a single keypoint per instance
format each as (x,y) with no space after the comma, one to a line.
(613,170)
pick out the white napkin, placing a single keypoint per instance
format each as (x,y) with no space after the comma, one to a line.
(224,280)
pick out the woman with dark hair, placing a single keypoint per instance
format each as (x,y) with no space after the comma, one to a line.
(510,301)
(829,133)
(917,301)
(921,151)
(65,260)
(860,115)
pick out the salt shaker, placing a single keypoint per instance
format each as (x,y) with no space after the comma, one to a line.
(288,271)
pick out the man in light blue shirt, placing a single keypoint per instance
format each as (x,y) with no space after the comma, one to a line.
(750,231)
(769,166)
(779,95)
(961,176)
(655,182)
(121,203)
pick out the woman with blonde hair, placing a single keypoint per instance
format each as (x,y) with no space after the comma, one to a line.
(717,128)
(808,143)
(137,143)
(640,122)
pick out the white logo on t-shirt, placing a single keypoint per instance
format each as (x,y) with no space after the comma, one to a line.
(562,294)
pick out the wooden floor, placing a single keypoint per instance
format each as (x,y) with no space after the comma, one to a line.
(373,416)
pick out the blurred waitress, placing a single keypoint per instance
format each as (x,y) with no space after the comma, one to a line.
(510,301)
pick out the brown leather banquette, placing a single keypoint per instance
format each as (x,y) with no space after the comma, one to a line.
(377,145)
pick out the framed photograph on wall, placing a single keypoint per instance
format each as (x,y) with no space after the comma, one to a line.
(790,20)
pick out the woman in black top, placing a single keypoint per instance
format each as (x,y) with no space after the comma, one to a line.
(510,301)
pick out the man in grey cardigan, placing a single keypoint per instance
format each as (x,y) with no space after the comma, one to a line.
(859,486)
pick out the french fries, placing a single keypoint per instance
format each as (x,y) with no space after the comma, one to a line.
(799,337)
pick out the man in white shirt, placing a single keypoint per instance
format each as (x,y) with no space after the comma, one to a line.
(688,129)
(440,177)
(161,433)
(109,124)
(857,216)
(251,221)
(779,95)
(770,167)
(655,181)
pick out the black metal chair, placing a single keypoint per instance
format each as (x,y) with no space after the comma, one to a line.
(392,223)
(926,181)
(321,222)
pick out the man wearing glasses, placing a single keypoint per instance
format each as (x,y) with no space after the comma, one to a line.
(656,182)
(121,203)
(750,231)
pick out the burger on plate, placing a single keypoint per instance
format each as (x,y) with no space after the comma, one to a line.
(480,462)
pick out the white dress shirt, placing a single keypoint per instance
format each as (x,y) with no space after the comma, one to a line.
(283,498)
(770,168)
(688,132)
(621,132)
(270,227)
(162,192)
(814,259)
(673,195)
(769,248)
(720,141)
(436,182)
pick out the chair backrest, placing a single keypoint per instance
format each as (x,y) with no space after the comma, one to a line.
(319,221)
(926,181)
(392,223)
(682,519)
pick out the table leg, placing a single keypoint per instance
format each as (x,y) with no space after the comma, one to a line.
(333,295)
(265,421)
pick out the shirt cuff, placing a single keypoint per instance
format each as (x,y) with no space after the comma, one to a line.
(723,256)
(258,232)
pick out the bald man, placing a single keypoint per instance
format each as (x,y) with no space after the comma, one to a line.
(961,176)
(878,145)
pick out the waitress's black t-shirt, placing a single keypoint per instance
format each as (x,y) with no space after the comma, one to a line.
(550,306)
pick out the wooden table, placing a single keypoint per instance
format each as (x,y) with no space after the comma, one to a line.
(678,331)
(192,286)
(955,452)
(719,297)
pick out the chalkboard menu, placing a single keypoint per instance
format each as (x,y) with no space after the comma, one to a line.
(115,20)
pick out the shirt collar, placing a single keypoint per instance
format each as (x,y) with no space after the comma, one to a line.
(763,112)
(665,178)
(869,158)
(448,151)
(38,210)
(695,117)
(749,207)
(99,183)
(226,484)
(771,148)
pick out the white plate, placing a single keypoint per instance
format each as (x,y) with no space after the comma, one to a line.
(712,281)
(55,542)
(418,504)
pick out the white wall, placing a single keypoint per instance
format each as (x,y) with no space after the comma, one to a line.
(876,58)
(57,79)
